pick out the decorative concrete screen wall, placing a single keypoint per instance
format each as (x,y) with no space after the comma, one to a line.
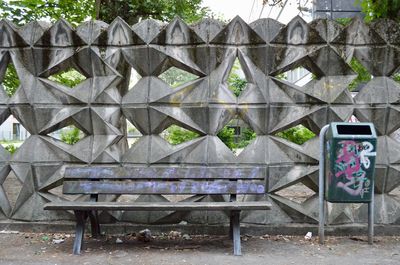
(100,105)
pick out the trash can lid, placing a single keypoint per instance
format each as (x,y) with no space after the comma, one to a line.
(365,130)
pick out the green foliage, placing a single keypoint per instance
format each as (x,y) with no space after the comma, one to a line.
(176,77)
(246,137)
(363,75)
(235,82)
(164,10)
(396,77)
(298,134)
(11,148)
(344,21)
(76,11)
(69,78)
(11,81)
(25,11)
(227,136)
(71,136)
(374,9)
(177,135)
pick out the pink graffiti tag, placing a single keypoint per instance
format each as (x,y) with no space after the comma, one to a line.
(348,164)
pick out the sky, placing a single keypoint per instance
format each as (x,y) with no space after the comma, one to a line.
(251,10)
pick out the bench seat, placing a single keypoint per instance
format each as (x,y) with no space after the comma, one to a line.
(159,206)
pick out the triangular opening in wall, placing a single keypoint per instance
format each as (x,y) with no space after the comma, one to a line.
(12,187)
(177,198)
(68,134)
(176,77)
(12,134)
(175,135)
(69,77)
(298,134)
(134,78)
(58,191)
(363,76)
(299,76)
(236,135)
(353,119)
(236,81)
(132,133)
(9,80)
(298,193)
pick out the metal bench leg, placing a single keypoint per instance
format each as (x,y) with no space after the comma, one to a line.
(94,223)
(94,218)
(235,220)
(231,227)
(80,231)
(232,198)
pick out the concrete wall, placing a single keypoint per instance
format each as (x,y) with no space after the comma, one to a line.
(100,105)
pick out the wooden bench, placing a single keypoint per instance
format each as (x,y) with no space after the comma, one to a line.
(95,180)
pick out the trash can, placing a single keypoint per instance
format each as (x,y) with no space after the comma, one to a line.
(350,157)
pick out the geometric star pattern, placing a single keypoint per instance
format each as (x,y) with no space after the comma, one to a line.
(100,105)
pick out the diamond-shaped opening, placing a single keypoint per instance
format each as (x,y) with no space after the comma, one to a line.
(298,193)
(298,134)
(12,187)
(10,80)
(236,135)
(12,134)
(70,77)
(176,77)
(236,79)
(134,78)
(175,135)
(299,76)
(132,133)
(69,135)
(363,76)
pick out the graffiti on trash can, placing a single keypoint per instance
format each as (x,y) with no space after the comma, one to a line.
(350,165)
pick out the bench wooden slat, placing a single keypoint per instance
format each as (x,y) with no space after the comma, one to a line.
(164,173)
(158,206)
(164,187)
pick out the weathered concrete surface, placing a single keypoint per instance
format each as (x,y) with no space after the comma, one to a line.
(21,249)
(100,105)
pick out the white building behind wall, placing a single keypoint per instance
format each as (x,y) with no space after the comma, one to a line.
(12,130)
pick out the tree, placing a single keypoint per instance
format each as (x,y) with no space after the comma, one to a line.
(374,9)
(24,11)
(76,11)
(71,136)
(176,135)
(134,11)
(10,82)
(298,134)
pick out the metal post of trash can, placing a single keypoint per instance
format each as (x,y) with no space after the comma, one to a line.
(321,182)
(371,218)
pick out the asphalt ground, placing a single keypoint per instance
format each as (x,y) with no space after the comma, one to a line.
(175,248)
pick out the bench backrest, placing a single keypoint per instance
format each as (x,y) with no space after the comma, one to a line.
(163,180)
